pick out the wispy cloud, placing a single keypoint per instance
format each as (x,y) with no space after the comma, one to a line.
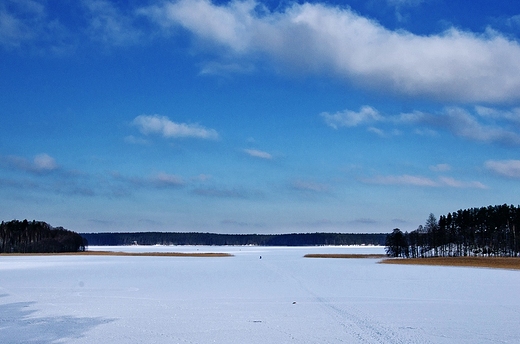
(506,168)
(201,177)
(303,185)
(164,180)
(162,125)
(258,154)
(486,125)
(348,118)
(421,181)
(452,182)
(463,124)
(109,25)
(226,69)
(45,162)
(512,115)
(20,21)
(27,23)
(454,65)
(440,168)
(222,192)
(135,140)
(42,163)
(160,180)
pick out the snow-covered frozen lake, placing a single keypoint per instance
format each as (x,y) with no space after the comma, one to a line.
(281,298)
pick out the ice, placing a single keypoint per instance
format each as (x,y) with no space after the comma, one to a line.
(281,298)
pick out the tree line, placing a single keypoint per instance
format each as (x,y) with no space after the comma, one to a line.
(182,238)
(485,231)
(38,237)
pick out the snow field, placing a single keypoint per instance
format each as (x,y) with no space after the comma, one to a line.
(281,298)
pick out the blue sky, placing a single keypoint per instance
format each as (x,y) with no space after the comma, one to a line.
(257,117)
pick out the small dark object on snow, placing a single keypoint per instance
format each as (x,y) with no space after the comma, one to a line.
(294,302)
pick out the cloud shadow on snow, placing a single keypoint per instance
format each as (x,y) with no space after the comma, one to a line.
(19,323)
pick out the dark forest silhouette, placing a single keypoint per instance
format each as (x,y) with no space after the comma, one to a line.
(171,238)
(38,237)
(486,231)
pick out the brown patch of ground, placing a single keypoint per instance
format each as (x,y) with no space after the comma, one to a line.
(338,255)
(480,262)
(111,253)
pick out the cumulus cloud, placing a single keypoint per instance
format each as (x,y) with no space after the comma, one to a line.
(422,181)
(506,168)
(258,154)
(453,65)
(304,37)
(162,125)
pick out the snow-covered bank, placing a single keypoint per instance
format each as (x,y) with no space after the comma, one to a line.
(280,298)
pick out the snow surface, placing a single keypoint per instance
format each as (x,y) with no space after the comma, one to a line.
(281,298)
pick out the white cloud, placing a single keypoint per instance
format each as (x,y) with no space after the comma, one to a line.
(20,21)
(44,162)
(310,186)
(350,118)
(162,125)
(440,168)
(487,127)
(135,140)
(164,179)
(462,124)
(107,24)
(401,180)
(201,178)
(422,181)
(451,182)
(513,21)
(225,69)
(258,154)
(453,65)
(512,115)
(26,23)
(506,168)
(223,193)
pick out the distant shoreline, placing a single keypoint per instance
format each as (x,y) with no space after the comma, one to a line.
(114,253)
(216,239)
(477,262)
(343,256)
